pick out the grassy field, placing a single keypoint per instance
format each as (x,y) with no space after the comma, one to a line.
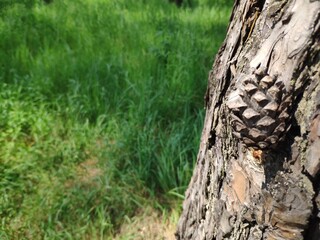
(101,111)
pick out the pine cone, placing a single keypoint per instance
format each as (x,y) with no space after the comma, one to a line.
(260,106)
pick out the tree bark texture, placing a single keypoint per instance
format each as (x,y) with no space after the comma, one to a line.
(259,179)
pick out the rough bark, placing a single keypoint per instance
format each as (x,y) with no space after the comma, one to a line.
(242,188)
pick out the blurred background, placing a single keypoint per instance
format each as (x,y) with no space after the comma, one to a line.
(101,111)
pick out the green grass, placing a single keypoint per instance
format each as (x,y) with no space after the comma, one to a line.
(101,110)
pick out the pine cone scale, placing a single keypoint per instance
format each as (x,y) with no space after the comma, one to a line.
(260,108)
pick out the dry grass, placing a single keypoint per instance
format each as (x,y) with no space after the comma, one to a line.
(87,174)
(149,224)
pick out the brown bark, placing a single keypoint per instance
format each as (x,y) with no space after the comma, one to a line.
(242,189)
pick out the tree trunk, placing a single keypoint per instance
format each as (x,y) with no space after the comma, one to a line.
(257,171)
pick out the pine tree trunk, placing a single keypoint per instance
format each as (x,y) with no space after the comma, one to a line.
(257,172)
